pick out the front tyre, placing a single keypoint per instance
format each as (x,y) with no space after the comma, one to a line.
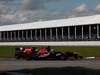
(18,57)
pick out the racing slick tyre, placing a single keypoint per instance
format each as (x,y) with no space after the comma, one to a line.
(27,57)
(18,57)
(71,58)
(80,57)
(62,58)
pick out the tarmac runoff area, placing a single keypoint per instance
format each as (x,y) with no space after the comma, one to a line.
(13,64)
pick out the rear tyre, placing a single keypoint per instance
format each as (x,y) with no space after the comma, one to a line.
(71,58)
(18,57)
(62,58)
(80,57)
(28,57)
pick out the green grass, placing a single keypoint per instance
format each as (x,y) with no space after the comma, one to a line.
(9,51)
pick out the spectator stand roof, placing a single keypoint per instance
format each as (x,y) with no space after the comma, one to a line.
(95,19)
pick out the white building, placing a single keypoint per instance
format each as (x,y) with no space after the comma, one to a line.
(73,31)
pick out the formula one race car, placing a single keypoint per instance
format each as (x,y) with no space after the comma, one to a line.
(30,53)
(25,53)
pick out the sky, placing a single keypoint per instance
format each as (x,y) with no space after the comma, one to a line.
(26,11)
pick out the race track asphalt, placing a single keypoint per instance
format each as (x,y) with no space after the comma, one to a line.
(13,64)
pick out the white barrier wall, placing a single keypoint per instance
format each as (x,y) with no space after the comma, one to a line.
(73,43)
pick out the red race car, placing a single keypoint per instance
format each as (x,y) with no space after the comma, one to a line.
(31,53)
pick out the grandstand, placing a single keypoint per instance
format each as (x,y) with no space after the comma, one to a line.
(72,31)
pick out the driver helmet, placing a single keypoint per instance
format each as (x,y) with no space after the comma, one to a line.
(21,48)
